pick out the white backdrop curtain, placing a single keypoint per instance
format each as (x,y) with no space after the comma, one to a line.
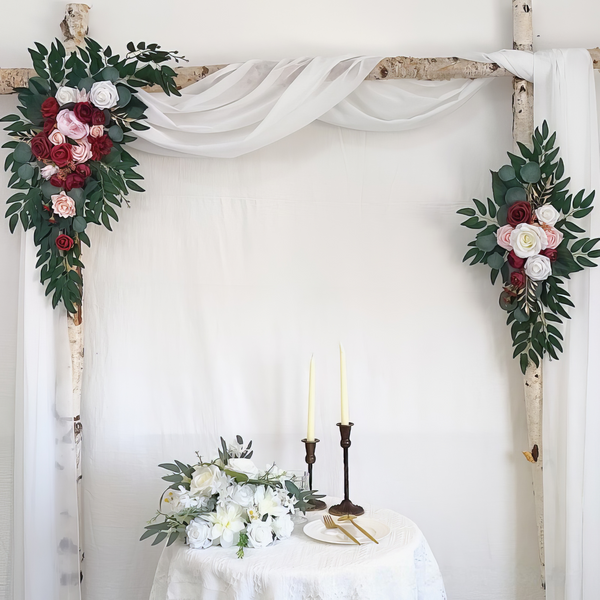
(236,270)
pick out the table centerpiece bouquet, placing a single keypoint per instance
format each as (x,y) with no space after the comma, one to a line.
(227,501)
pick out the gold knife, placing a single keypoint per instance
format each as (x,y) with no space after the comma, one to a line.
(351,519)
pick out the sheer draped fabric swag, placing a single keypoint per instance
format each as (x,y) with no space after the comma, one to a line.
(243,108)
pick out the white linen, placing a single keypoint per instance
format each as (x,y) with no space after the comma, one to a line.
(246,106)
(400,567)
(46,550)
(565,96)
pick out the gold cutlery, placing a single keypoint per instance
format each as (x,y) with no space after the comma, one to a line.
(351,519)
(331,524)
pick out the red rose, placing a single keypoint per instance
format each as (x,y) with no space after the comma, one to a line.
(41,146)
(56,181)
(98,117)
(519,212)
(514,261)
(64,242)
(61,154)
(101,146)
(83,170)
(50,107)
(49,125)
(551,253)
(74,180)
(84,111)
(517,279)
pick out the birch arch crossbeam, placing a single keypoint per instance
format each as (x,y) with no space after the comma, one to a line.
(75,30)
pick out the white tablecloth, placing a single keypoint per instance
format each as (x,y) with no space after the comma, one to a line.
(401,567)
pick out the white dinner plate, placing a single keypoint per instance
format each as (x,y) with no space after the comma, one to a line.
(317,530)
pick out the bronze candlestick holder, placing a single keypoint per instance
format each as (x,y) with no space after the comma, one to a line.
(311,459)
(346,507)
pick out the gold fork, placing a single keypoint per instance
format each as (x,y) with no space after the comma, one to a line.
(351,519)
(331,524)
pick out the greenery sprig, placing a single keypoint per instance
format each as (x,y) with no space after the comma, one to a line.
(531,207)
(96,187)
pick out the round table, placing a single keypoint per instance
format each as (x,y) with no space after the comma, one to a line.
(401,567)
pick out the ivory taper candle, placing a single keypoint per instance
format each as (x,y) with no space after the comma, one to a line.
(310,433)
(345,418)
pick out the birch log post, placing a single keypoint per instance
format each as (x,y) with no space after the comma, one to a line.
(75,28)
(523,126)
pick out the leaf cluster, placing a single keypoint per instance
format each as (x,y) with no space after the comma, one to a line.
(536,308)
(112,178)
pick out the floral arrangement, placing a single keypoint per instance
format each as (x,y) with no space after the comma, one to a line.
(68,158)
(528,237)
(228,501)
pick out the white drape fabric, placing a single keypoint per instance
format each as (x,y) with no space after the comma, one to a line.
(231,113)
(247,106)
(565,96)
(46,541)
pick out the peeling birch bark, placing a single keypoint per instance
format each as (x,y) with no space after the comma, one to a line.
(75,28)
(523,126)
(399,67)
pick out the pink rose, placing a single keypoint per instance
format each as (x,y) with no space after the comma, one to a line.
(555,237)
(82,151)
(63,205)
(503,237)
(97,131)
(70,126)
(56,137)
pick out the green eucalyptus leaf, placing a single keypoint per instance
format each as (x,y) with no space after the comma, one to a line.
(531,172)
(109,74)
(79,224)
(124,96)
(507,173)
(115,133)
(25,171)
(49,190)
(495,260)
(486,242)
(515,194)
(86,84)
(22,153)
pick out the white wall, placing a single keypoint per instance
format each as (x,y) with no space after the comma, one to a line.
(231,31)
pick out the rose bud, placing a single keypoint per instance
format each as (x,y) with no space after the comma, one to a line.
(517,279)
(64,242)
(551,253)
(514,261)
(50,107)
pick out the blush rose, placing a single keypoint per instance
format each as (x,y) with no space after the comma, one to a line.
(70,126)
(503,237)
(63,205)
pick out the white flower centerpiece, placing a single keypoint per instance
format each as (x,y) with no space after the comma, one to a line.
(228,501)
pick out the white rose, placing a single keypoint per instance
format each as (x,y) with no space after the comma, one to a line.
(259,534)
(243,465)
(243,495)
(66,95)
(528,240)
(206,481)
(547,214)
(104,94)
(283,527)
(198,534)
(538,268)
